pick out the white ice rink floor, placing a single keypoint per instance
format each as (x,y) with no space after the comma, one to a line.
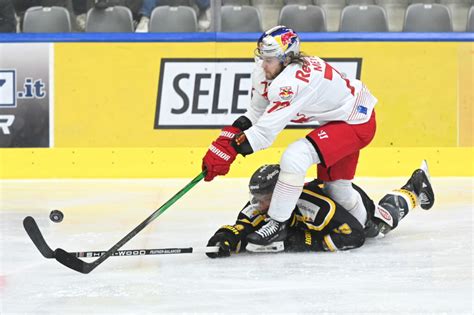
(422,267)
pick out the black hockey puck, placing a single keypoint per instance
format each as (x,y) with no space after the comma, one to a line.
(56,216)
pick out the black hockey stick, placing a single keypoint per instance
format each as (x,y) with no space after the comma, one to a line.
(34,233)
(81,266)
(143,252)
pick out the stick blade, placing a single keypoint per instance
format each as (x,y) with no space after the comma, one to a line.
(35,235)
(71,261)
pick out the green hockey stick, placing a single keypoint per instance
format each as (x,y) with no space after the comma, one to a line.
(71,261)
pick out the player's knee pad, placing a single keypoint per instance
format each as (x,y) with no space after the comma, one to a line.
(298,157)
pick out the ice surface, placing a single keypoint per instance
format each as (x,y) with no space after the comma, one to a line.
(423,267)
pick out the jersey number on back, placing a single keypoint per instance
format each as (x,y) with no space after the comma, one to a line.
(328,71)
(305,72)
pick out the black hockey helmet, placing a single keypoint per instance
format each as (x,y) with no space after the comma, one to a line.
(263,182)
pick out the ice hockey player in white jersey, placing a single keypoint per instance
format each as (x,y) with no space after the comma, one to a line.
(291,87)
(317,222)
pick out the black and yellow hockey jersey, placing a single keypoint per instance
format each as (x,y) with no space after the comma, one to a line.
(317,224)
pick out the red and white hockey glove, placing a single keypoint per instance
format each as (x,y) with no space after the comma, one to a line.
(221,154)
(228,134)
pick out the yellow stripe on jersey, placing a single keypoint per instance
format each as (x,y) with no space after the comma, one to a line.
(327,219)
(329,244)
(294,219)
(255,222)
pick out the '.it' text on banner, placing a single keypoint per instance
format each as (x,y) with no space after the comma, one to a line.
(25,100)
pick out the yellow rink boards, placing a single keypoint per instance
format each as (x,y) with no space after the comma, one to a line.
(105,104)
(186,162)
(108,92)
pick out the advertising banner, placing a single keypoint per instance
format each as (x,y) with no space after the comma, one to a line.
(178,94)
(25,101)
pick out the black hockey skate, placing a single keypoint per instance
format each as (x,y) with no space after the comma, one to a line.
(272,231)
(420,184)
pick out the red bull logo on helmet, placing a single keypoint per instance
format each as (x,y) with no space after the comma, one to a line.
(285,38)
(288,38)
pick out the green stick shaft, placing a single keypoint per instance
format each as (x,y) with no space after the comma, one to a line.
(177,196)
(75,263)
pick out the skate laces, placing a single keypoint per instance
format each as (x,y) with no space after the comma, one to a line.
(424,199)
(269,228)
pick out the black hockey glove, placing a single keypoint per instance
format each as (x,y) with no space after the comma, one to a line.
(228,238)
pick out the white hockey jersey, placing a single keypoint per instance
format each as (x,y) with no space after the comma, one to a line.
(314,92)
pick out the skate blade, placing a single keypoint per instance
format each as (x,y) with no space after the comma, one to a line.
(423,198)
(274,247)
(424,168)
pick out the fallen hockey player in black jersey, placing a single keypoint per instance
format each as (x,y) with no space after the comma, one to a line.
(318,223)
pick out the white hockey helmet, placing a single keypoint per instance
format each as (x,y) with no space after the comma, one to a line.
(279,41)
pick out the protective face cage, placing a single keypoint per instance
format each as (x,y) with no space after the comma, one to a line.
(262,183)
(258,200)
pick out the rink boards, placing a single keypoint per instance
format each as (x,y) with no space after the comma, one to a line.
(150,109)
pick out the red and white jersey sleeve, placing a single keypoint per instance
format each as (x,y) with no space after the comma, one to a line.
(307,93)
(259,100)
